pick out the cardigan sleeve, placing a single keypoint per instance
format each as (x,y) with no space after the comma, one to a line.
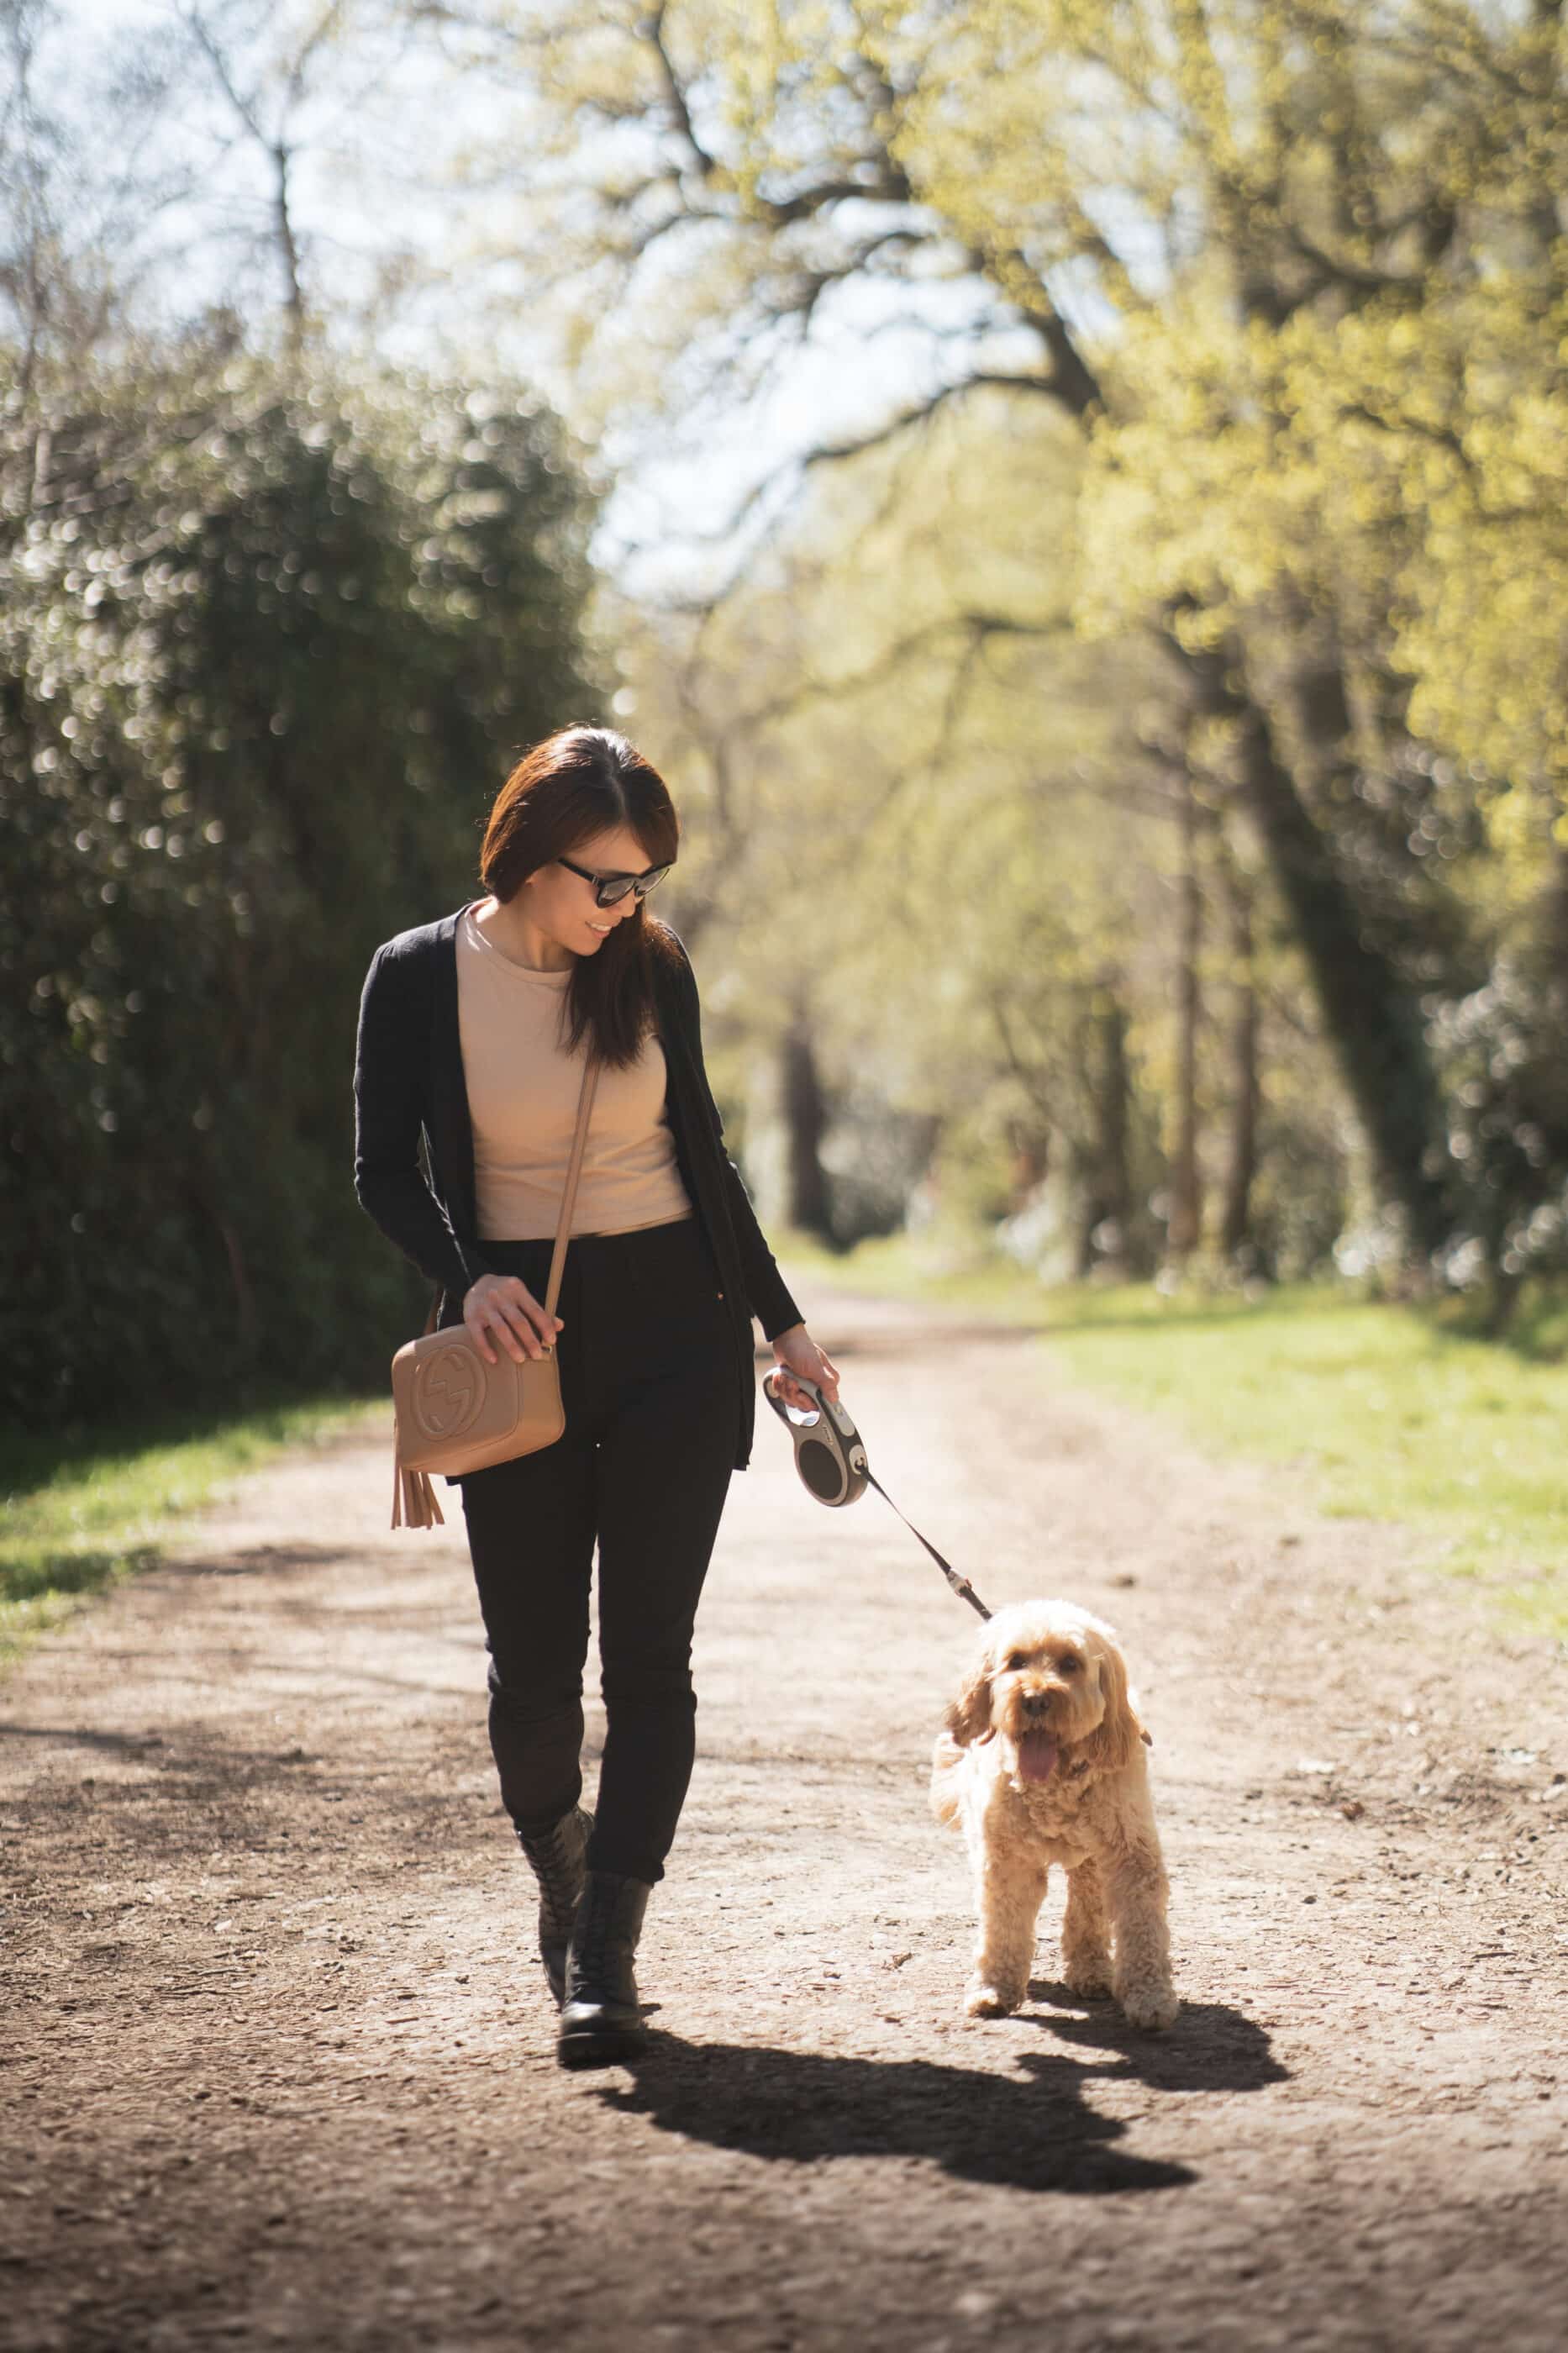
(389,1117)
(767,1294)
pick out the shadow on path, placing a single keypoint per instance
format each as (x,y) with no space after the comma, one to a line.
(130,1743)
(1211,2048)
(1032,2131)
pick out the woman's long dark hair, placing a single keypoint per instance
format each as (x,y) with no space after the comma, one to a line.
(579,782)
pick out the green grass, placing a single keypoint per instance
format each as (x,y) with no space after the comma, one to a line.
(1381,1411)
(79,1512)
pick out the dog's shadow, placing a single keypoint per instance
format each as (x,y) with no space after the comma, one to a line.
(1029,2130)
(1211,2048)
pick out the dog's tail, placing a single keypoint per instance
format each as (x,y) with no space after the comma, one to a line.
(945,1758)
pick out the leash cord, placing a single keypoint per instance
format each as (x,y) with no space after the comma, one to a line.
(961,1585)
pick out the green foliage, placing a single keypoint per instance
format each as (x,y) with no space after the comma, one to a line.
(265,647)
(924,809)
(1296,274)
(1253,507)
(1383,1412)
(1340,441)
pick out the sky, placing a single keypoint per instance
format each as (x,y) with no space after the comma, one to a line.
(367,182)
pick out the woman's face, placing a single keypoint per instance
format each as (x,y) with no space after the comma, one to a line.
(563,905)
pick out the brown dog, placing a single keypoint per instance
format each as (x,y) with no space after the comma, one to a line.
(1043,1762)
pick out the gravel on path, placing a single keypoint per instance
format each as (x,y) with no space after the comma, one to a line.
(278,2058)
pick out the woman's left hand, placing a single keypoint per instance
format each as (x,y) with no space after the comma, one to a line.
(797,1352)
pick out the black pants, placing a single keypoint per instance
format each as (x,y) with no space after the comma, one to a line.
(647,1377)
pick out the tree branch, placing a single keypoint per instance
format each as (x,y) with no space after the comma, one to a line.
(652,30)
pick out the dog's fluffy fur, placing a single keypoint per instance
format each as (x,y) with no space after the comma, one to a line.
(1043,1761)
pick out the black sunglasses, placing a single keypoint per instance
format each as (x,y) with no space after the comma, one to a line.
(609,889)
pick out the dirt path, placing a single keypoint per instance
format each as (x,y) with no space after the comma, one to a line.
(278,2061)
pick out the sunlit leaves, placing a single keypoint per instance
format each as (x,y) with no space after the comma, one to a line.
(267,649)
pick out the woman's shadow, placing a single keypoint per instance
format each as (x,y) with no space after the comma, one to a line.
(1032,2131)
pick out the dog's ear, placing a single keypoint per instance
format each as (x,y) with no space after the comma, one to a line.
(1114,1742)
(968,1716)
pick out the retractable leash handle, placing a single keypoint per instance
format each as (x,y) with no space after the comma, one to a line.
(828,1452)
(830,1456)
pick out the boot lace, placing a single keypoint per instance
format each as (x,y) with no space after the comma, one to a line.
(556,1858)
(596,1925)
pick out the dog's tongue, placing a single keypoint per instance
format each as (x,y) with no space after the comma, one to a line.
(1036,1756)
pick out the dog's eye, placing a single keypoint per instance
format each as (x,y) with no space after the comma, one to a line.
(1069,1666)
(1015,1660)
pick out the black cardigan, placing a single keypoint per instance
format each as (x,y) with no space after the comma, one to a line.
(408,1082)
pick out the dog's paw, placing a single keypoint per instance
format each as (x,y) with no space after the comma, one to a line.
(1091,1978)
(986,2000)
(1150,2008)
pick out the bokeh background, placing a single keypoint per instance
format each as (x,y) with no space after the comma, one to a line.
(1071,496)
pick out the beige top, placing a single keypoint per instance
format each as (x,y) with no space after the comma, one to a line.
(522,1105)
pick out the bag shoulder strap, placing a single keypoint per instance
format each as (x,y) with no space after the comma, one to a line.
(573,1170)
(568,1202)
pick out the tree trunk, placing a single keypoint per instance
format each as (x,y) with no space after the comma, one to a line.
(287,252)
(805,1118)
(1030,1163)
(1241,1167)
(1372,1021)
(1184,1227)
(1108,1190)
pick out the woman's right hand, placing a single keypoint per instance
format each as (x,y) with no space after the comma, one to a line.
(504,1305)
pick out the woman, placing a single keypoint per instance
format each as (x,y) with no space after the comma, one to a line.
(472,1035)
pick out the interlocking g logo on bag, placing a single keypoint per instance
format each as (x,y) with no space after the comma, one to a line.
(449,1390)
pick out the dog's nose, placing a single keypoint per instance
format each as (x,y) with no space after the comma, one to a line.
(1037,1702)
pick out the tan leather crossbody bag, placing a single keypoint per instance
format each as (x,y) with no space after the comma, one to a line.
(454,1413)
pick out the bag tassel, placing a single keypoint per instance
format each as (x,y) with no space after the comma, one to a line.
(413,1499)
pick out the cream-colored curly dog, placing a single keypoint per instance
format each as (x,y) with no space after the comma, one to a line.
(1043,1762)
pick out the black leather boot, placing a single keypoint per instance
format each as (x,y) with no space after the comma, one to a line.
(556,1855)
(602,2022)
